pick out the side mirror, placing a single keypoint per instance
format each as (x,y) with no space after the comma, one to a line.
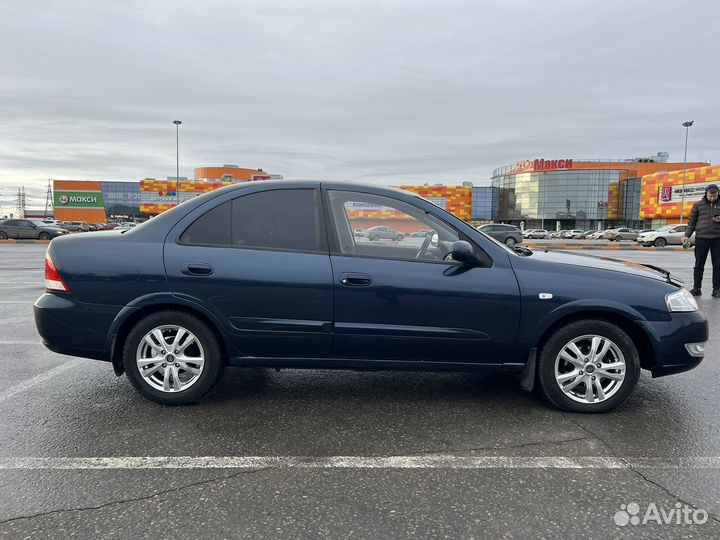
(463,252)
(435,240)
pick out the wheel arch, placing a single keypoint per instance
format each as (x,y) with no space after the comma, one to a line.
(638,335)
(131,314)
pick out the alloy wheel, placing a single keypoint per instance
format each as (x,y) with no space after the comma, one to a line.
(170,358)
(590,369)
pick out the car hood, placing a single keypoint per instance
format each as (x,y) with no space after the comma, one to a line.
(603,263)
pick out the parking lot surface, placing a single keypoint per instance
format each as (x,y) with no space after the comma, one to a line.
(333,454)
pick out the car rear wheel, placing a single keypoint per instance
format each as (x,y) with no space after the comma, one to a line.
(3,236)
(510,241)
(660,242)
(618,238)
(173,358)
(589,366)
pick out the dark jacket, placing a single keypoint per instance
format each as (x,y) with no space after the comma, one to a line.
(701,218)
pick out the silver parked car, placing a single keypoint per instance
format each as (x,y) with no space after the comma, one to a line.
(664,236)
(618,235)
(382,232)
(535,234)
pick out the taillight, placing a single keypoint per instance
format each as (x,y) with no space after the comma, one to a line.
(53,281)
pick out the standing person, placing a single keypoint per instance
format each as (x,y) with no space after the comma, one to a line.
(705,223)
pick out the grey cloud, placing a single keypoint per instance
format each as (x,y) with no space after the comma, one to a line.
(378,91)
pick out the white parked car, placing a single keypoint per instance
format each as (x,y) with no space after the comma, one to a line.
(664,236)
(570,234)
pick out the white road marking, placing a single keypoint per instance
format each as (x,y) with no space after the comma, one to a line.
(437,461)
(37,379)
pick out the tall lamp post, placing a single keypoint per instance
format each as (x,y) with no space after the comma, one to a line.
(682,197)
(177,161)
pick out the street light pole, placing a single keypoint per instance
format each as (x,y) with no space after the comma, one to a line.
(682,198)
(177,162)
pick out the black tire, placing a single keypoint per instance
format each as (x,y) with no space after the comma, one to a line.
(43,236)
(660,242)
(548,385)
(618,238)
(3,236)
(399,238)
(510,241)
(214,357)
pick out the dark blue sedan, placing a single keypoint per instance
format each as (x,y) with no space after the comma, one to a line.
(270,274)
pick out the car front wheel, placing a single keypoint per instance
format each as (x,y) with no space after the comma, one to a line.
(3,236)
(660,242)
(510,241)
(173,358)
(589,366)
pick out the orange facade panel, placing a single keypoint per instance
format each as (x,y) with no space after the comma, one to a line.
(455,199)
(661,193)
(236,173)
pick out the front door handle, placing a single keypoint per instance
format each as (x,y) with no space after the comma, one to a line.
(197,269)
(356,280)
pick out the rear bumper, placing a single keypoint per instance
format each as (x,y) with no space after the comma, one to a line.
(671,355)
(73,328)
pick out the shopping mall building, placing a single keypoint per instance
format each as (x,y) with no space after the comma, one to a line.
(537,193)
(100,201)
(581,194)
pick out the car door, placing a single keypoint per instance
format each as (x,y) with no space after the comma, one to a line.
(28,230)
(259,262)
(12,229)
(676,234)
(403,301)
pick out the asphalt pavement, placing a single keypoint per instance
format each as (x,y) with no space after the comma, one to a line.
(335,454)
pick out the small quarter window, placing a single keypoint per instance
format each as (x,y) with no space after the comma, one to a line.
(212,228)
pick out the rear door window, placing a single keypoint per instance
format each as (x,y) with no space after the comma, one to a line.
(282,219)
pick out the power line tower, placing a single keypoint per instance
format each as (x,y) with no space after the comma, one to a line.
(20,207)
(48,200)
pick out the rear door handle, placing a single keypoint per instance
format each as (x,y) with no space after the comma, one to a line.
(356,280)
(197,269)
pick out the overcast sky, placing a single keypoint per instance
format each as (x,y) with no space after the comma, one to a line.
(382,91)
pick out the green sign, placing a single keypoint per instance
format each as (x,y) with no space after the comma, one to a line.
(78,199)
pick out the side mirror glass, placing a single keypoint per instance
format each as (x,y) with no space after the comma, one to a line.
(435,240)
(463,252)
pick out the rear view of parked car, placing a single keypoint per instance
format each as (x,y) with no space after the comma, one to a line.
(28,229)
(507,234)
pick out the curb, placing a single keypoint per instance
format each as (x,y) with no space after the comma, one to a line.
(25,241)
(598,247)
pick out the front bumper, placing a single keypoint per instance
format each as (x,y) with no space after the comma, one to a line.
(670,339)
(74,328)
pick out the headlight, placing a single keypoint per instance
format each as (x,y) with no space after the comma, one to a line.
(681,300)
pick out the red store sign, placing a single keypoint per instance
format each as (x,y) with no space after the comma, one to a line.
(542,165)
